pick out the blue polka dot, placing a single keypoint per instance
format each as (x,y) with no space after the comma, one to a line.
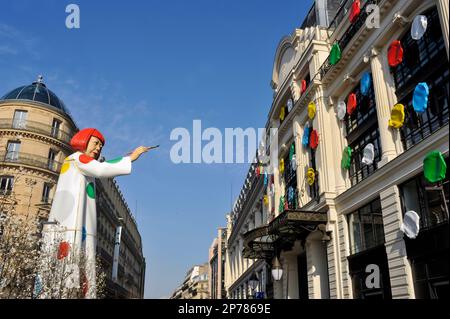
(83,234)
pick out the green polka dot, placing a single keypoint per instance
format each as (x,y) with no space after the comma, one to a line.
(117,160)
(90,190)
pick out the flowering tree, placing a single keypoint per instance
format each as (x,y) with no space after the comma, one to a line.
(31,265)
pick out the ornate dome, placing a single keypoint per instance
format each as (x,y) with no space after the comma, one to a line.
(37,92)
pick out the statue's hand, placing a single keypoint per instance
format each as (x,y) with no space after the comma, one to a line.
(138,152)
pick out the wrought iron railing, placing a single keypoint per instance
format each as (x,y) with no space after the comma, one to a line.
(340,15)
(37,127)
(31,160)
(348,35)
(358,170)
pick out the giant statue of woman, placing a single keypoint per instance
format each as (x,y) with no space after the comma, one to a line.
(73,208)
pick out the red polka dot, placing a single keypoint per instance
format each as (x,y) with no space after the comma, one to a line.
(63,250)
(84,284)
(85,159)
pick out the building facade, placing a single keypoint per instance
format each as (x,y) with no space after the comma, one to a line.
(216,272)
(241,266)
(335,204)
(35,131)
(195,284)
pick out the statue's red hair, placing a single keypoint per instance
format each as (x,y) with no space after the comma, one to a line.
(79,141)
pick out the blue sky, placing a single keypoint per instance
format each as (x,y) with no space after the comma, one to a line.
(138,69)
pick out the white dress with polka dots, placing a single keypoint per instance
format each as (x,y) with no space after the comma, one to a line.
(75,212)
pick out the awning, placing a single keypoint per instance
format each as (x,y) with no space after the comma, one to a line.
(281,233)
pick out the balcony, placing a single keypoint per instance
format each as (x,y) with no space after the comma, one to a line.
(37,127)
(340,15)
(349,34)
(30,160)
(281,233)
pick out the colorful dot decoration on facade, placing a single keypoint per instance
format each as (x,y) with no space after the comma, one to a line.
(303,90)
(335,54)
(291,151)
(63,250)
(90,190)
(365,83)
(419,27)
(281,166)
(368,154)
(341,110)
(312,110)
(351,103)
(114,161)
(346,158)
(420,97)
(282,113)
(397,116)
(306,133)
(355,11)
(314,139)
(434,167)
(281,206)
(311,176)
(266,200)
(395,53)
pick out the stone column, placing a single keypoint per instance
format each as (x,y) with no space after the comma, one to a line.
(291,275)
(317,268)
(400,273)
(383,108)
(443,9)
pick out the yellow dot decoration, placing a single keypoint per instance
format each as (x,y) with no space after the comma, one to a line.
(65,167)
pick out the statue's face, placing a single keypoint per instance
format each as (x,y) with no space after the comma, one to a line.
(94,147)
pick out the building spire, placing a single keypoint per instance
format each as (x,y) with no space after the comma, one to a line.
(40,79)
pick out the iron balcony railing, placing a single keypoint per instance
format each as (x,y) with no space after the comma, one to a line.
(31,160)
(340,15)
(349,33)
(37,127)
(359,171)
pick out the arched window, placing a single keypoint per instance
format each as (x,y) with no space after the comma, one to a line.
(425,61)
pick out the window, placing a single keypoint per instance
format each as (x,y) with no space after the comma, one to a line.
(46,193)
(20,119)
(56,125)
(366,227)
(13,149)
(365,112)
(425,61)
(51,163)
(358,170)
(431,202)
(6,184)
(362,129)
(290,181)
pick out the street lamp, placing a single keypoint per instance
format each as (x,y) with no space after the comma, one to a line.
(277,270)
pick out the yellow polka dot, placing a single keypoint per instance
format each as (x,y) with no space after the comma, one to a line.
(65,167)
